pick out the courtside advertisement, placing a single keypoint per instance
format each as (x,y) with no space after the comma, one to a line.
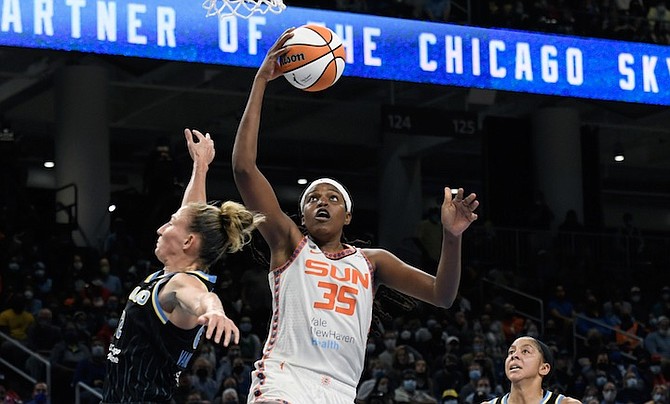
(376,47)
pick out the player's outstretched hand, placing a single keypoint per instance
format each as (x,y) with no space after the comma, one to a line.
(458,212)
(202,150)
(218,325)
(269,69)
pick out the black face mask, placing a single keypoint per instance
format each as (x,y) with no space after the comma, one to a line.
(201,373)
(238,368)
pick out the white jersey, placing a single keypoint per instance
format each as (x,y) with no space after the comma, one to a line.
(322,310)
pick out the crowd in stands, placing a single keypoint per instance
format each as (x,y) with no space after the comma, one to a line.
(628,20)
(64,302)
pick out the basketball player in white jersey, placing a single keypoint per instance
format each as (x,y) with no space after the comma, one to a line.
(323,289)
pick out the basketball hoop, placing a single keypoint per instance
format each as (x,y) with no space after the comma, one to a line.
(242,8)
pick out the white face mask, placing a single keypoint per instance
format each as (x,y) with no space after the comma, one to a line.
(631,383)
(609,395)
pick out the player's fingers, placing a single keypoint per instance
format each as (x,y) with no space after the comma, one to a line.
(447,194)
(188,135)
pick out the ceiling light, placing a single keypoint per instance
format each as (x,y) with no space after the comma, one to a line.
(302,181)
(618,152)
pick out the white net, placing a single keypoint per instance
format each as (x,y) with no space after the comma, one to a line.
(242,8)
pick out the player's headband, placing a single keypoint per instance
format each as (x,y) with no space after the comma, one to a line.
(348,205)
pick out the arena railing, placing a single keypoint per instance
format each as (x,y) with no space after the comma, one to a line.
(47,364)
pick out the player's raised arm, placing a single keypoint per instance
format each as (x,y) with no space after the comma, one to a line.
(256,191)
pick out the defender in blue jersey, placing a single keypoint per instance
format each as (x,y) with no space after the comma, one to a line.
(171,310)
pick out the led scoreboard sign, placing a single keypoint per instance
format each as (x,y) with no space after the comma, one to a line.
(376,47)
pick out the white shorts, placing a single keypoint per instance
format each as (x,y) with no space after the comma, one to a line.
(286,384)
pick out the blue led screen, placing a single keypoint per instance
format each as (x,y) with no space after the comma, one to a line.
(377,47)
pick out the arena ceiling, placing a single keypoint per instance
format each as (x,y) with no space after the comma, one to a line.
(334,132)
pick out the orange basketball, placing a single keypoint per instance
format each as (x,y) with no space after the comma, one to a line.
(315,58)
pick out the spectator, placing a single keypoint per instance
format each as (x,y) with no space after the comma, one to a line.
(202,379)
(633,390)
(629,238)
(8,396)
(475,372)
(64,359)
(250,343)
(629,332)
(110,281)
(43,336)
(657,342)
(662,306)
(639,308)
(390,343)
(540,215)
(659,395)
(120,246)
(40,394)
(561,310)
(437,10)
(483,391)
(512,324)
(91,371)
(229,396)
(423,380)
(15,322)
(449,396)
(42,282)
(658,18)
(609,394)
(449,375)
(407,392)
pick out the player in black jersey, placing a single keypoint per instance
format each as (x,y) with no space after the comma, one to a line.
(171,310)
(528,364)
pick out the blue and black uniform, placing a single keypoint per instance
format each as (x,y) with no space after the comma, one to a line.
(147,351)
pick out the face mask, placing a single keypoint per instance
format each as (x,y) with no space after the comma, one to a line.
(77,265)
(113,322)
(389,343)
(201,373)
(635,298)
(383,388)
(450,401)
(631,383)
(477,347)
(405,335)
(13,266)
(40,398)
(377,373)
(485,390)
(238,368)
(655,369)
(475,374)
(245,327)
(601,380)
(97,351)
(431,323)
(371,347)
(609,395)
(658,398)
(409,385)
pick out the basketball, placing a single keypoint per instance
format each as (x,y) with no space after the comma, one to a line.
(315,58)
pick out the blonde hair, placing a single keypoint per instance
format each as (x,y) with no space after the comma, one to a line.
(224,229)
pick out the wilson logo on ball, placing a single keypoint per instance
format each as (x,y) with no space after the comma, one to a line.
(286,59)
(315,59)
